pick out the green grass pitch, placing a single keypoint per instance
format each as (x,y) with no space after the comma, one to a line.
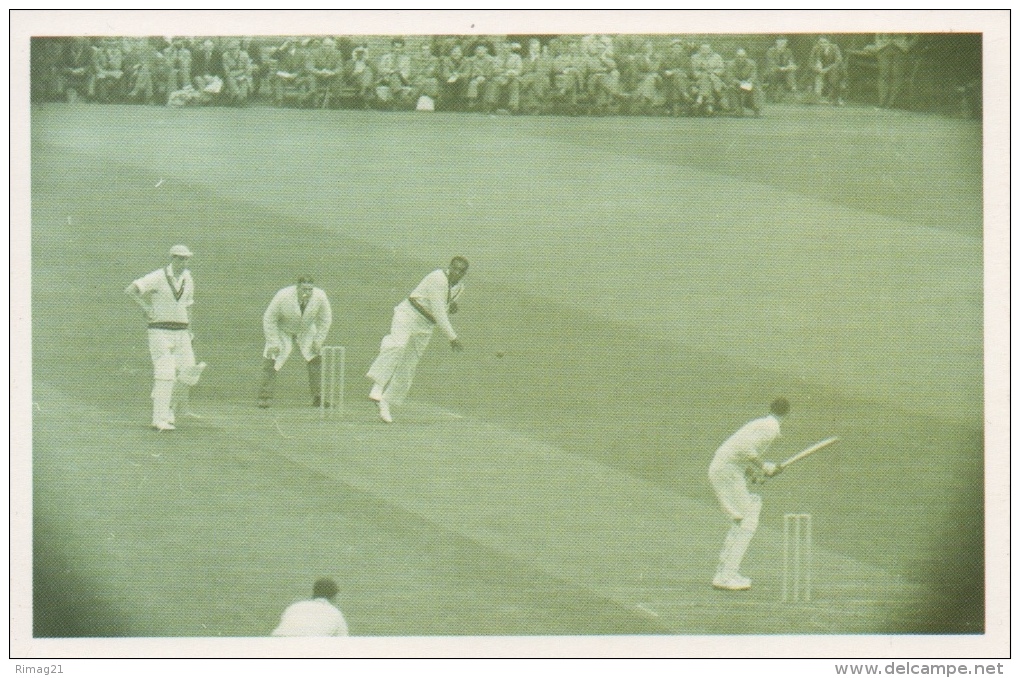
(639,288)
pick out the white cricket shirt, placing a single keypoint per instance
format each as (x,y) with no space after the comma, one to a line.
(435,294)
(170,297)
(751,441)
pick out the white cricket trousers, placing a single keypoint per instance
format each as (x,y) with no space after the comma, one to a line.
(400,352)
(170,351)
(743,507)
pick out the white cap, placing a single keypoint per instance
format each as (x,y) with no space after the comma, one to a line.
(180,251)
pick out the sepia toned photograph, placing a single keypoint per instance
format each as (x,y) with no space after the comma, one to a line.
(390,325)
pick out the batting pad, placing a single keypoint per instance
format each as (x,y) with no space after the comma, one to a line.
(190,375)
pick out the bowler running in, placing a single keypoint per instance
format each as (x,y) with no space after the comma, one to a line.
(429,305)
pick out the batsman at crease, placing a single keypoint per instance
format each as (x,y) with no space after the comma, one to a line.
(735,462)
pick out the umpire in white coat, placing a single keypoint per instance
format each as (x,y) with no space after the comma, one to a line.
(301,315)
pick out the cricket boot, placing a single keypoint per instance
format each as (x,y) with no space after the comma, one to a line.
(731,583)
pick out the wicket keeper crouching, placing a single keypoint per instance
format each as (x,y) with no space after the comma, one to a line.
(299,314)
(166,295)
(728,474)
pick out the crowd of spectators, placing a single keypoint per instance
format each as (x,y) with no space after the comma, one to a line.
(594,74)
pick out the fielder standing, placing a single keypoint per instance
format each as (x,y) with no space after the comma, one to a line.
(429,305)
(299,314)
(167,295)
(316,617)
(736,459)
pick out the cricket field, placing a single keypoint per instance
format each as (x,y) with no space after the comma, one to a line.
(639,288)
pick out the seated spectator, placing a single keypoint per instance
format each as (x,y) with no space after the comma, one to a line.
(263,55)
(456,76)
(425,74)
(249,46)
(627,51)
(161,73)
(602,82)
(827,64)
(481,70)
(393,79)
(645,96)
(708,69)
(178,60)
(676,84)
(76,70)
(567,73)
(506,85)
(205,86)
(237,73)
(45,62)
(536,77)
(744,81)
(139,62)
(292,78)
(107,84)
(325,70)
(780,69)
(206,65)
(360,76)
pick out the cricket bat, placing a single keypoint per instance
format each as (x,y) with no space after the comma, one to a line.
(803,453)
